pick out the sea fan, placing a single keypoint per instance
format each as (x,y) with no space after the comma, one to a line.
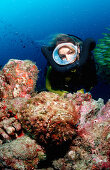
(102,56)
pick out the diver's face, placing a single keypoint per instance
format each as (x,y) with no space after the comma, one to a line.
(66,53)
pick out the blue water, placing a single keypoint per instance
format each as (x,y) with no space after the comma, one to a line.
(24,24)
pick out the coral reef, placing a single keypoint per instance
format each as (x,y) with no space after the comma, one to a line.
(91,148)
(102,55)
(74,128)
(96,135)
(22,153)
(86,106)
(18,79)
(49,118)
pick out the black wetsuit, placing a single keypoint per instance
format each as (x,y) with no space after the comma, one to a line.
(73,77)
(71,81)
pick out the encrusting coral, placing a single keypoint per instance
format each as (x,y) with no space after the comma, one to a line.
(49,118)
(91,148)
(18,78)
(30,122)
(22,153)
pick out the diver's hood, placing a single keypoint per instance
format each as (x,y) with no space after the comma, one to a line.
(53,59)
(58,59)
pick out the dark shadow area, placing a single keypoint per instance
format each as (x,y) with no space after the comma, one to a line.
(55,152)
(101,90)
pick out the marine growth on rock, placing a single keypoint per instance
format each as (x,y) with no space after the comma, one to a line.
(18,79)
(34,121)
(49,118)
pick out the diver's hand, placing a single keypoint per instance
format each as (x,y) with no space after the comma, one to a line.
(9,129)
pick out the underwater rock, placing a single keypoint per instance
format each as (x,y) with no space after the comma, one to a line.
(96,134)
(10,127)
(86,105)
(8,108)
(22,153)
(3,111)
(91,148)
(49,118)
(5,88)
(18,79)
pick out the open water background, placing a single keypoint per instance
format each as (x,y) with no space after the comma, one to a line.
(26,24)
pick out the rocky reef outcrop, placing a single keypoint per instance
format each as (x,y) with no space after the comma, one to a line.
(47,131)
(49,118)
(91,147)
(22,153)
(18,79)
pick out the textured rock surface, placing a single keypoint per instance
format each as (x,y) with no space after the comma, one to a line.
(91,148)
(18,79)
(10,127)
(88,107)
(49,118)
(22,153)
(47,114)
(73,129)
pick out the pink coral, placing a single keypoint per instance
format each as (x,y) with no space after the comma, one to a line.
(86,105)
(91,148)
(96,134)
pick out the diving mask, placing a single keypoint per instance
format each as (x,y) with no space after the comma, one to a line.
(65,53)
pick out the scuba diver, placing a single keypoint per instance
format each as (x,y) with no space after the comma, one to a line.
(71,64)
